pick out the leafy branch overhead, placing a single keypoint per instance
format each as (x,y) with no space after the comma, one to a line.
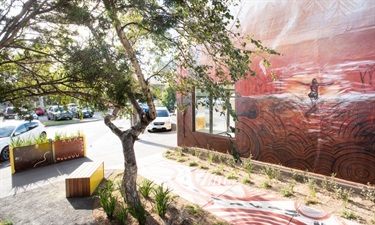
(74,50)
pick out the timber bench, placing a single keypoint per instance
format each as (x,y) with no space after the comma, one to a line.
(84,180)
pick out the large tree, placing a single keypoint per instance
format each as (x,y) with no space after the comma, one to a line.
(124,46)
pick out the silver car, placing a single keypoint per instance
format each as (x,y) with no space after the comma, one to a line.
(59,113)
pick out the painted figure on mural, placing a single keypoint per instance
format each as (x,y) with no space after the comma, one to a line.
(314,94)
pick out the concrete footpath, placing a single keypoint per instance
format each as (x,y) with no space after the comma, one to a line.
(38,196)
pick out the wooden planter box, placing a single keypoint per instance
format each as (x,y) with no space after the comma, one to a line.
(68,149)
(31,156)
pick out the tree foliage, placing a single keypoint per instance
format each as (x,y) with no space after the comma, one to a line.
(169,98)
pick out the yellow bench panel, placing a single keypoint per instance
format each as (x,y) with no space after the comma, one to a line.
(84,180)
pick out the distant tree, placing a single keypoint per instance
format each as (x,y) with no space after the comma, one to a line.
(169,98)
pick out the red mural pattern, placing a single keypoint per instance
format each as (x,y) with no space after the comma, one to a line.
(319,112)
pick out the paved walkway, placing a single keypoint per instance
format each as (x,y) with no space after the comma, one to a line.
(229,199)
(38,196)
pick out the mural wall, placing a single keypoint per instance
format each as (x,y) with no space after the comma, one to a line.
(319,112)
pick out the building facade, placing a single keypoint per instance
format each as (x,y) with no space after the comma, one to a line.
(316,111)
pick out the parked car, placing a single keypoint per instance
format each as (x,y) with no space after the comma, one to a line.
(25,114)
(10,113)
(58,113)
(39,111)
(18,129)
(162,120)
(86,112)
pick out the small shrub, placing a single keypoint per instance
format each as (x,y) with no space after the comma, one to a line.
(232,176)
(122,215)
(247,181)
(203,167)
(344,194)
(169,155)
(287,192)
(180,152)
(145,188)
(107,200)
(329,184)
(297,177)
(368,193)
(139,213)
(271,172)
(312,186)
(311,200)
(6,222)
(249,167)
(180,159)
(210,157)
(347,214)
(163,200)
(197,153)
(218,171)
(266,184)
(193,164)
(194,210)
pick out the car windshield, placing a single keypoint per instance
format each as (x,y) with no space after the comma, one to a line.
(6,131)
(58,109)
(161,113)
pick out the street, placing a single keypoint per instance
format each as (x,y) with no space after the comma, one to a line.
(103,145)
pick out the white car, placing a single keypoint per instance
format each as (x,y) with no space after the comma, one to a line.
(14,129)
(162,120)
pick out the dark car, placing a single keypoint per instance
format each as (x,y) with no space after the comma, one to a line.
(86,112)
(25,114)
(10,113)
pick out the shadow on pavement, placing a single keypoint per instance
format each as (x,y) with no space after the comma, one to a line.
(30,177)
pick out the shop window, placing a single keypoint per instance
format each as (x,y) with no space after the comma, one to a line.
(212,115)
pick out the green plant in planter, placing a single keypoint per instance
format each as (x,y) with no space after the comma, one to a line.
(67,147)
(347,214)
(122,215)
(107,200)
(163,200)
(369,194)
(193,164)
(59,136)
(139,213)
(287,192)
(248,166)
(6,222)
(194,209)
(18,142)
(344,194)
(271,173)
(63,135)
(145,188)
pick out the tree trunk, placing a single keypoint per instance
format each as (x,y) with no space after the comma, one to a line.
(129,136)
(129,180)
